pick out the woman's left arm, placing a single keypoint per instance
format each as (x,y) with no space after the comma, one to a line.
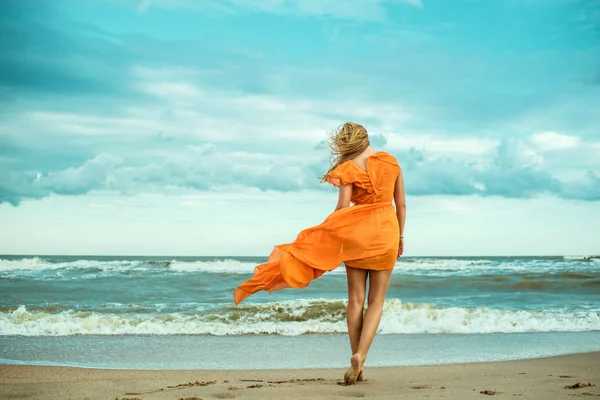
(344,196)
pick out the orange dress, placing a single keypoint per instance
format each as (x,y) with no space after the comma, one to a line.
(364,235)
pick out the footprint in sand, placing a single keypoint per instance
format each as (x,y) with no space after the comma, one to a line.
(223,396)
(297,381)
(197,383)
(489,392)
(579,385)
(419,387)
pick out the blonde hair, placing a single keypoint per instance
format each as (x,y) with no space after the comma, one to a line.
(347,142)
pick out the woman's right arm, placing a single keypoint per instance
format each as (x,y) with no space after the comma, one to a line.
(400,200)
(344,196)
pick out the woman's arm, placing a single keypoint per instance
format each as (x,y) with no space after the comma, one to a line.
(344,196)
(400,201)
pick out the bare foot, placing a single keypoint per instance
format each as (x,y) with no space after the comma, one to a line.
(361,376)
(357,365)
(347,375)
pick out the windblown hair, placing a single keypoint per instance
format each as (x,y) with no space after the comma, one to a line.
(347,142)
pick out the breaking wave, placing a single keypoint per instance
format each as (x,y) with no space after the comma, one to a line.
(294,317)
(10,268)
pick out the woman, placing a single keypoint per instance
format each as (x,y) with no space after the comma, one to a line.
(366,237)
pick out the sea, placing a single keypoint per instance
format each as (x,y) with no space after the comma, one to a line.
(178,313)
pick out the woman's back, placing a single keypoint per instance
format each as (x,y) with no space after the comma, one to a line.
(373,182)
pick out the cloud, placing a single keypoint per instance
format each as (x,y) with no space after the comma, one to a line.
(94,174)
(85,109)
(377,140)
(586,188)
(372,10)
(514,154)
(554,141)
(199,168)
(101,70)
(516,171)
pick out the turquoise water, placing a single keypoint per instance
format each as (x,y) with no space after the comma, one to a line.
(124,301)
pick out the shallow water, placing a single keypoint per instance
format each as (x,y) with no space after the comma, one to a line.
(284,352)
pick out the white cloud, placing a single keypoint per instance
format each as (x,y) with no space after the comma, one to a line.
(180,90)
(578,115)
(229,114)
(442,145)
(45,123)
(193,136)
(93,174)
(514,169)
(514,153)
(548,141)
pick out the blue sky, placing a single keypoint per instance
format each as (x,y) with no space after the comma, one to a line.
(196,127)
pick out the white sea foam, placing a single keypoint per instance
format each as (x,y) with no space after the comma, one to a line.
(448,266)
(416,266)
(215,266)
(26,264)
(220,266)
(29,265)
(38,264)
(582,258)
(295,317)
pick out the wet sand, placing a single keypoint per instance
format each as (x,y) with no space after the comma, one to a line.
(562,377)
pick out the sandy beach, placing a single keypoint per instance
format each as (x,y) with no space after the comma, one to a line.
(560,377)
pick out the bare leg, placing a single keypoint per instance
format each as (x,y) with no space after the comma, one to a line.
(357,287)
(378,285)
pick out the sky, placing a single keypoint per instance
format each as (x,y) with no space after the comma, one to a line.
(180,127)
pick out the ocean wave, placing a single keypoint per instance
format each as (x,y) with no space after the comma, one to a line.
(39,264)
(430,267)
(523,281)
(294,317)
(464,267)
(214,266)
(591,258)
(442,267)
(444,263)
(27,266)
(34,263)
(222,267)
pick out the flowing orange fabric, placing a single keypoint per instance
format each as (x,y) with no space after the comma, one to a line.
(364,235)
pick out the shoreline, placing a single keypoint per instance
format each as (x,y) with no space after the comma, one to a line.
(534,378)
(247,352)
(41,364)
